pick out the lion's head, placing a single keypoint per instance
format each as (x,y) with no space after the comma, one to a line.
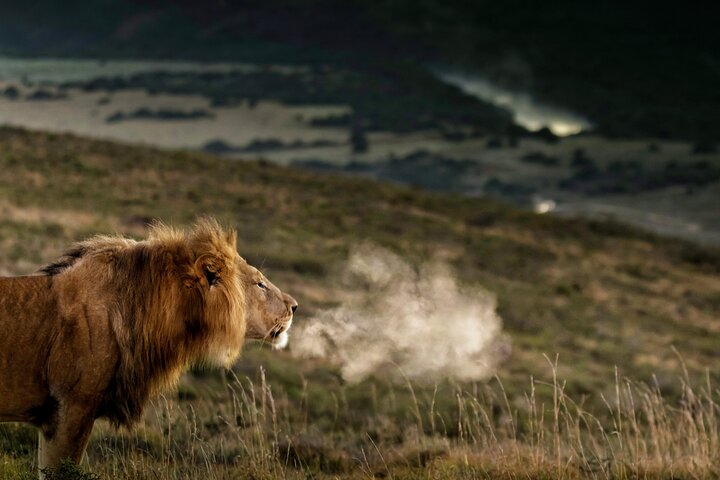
(176,298)
(269,310)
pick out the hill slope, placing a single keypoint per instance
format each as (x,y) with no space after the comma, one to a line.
(598,294)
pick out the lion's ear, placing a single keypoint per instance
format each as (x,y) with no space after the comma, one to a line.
(210,275)
(208,268)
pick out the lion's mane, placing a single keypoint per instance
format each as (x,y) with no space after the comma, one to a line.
(170,300)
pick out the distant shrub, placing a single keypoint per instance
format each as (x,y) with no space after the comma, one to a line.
(632,176)
(494,142)
(160,114)
(547,135)
(218,146)
(343,120)
(115,117)
(704,147)
(42,94)
(496,186)
(452,135)
(223,101)
(359,141)
(581,160)
(11,93)
(315,165)
(262,145)
(540,158)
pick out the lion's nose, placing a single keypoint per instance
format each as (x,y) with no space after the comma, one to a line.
(290,302)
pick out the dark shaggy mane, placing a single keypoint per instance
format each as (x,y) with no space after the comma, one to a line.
(162,314)
(68,258)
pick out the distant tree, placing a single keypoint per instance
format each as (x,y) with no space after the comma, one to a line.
(703,147)
(493,142)
(547,135)
(581,160)
(359,140)
(11,93)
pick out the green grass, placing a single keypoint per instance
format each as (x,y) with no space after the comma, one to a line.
(600,295)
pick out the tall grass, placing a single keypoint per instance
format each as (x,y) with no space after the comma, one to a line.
(247,430)
(638,435)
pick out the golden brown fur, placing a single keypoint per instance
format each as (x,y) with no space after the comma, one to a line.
(114,321)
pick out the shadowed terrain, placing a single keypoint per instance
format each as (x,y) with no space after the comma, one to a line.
(633,69)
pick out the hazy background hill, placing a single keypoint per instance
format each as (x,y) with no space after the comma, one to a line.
(607,111)
(634,69)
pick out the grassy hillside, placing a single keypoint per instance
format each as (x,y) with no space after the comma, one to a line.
(611,302)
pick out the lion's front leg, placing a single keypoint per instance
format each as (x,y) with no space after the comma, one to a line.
(66,440)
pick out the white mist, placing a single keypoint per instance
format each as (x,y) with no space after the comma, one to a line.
(419,323)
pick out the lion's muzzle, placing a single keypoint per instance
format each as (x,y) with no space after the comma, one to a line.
(279,333)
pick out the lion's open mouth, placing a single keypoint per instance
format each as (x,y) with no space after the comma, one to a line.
(280,341)
(279,334)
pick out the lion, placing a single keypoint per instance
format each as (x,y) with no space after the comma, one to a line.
(115,321)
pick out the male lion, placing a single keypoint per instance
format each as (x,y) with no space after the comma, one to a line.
(114,321)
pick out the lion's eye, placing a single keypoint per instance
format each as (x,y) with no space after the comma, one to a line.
(262,285)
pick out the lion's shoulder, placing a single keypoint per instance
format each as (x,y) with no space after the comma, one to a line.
(91,246)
